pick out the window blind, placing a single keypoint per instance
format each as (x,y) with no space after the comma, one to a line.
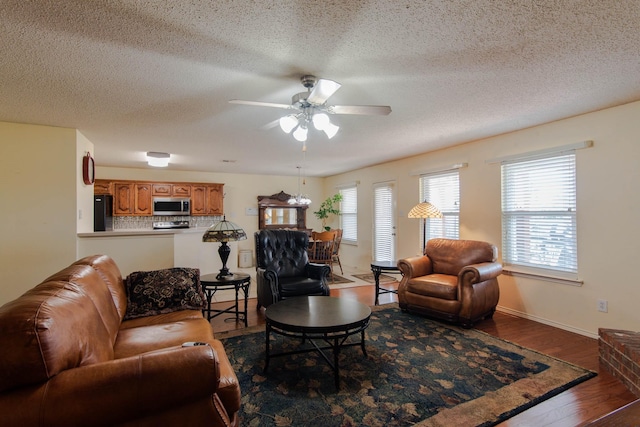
(443,191)
(383,247)
(539,213)
(349,214)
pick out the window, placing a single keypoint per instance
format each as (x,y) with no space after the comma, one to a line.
(349,214)
(442,190)
(539,215)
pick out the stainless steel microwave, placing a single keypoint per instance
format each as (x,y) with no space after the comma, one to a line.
(171,206)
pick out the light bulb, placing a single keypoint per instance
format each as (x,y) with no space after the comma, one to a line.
(330,129)
(287,123)
(300,134)
(320,121)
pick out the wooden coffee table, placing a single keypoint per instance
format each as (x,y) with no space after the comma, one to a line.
(317,318)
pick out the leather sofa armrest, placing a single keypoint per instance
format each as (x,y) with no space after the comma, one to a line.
(481,272)
(415,266)
(112,392)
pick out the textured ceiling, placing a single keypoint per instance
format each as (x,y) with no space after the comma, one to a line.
(137,76)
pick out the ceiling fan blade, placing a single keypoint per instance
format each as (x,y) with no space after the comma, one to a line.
(262,104)
(270,125)
(322,90)
(366,110)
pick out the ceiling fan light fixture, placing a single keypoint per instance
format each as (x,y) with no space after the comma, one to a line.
(300,133)
(320,121)
(287,123)
(331,130)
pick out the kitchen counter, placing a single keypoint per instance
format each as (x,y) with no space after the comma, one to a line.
(144,232)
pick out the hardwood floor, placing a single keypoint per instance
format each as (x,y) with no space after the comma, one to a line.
(575,407)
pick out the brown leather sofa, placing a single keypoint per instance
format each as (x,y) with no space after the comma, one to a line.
(67,358)
(455,280)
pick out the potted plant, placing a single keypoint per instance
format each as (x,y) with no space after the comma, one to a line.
(331,206)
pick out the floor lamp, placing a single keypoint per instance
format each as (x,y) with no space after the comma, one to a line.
(223,232)
(424,210)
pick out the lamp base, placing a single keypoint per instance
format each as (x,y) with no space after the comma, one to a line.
(224,252)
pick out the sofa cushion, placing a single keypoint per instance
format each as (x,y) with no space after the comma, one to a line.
(441,286)
(162,291)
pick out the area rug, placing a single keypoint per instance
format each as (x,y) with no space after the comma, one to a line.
(368,277)
(417,372)
(337,280)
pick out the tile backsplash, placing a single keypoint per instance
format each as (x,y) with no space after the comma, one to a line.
(146,222)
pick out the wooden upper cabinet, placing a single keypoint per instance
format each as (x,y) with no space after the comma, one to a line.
(102,186)
(123,198)
(161,190)
(143,204)
(207,199)
(215,198)
(136,198)
(198,200)
(181,190)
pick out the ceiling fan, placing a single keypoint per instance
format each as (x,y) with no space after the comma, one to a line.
(311,107)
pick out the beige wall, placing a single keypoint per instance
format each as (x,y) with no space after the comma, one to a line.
(39,171)
(608,206)
(38,175)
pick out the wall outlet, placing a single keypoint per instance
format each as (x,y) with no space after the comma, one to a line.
(603,305)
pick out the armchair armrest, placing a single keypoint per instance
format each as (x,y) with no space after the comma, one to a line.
(415,266)
(481,272)
(113,391)
(318,271)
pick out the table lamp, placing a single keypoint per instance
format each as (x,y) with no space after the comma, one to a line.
(424,210)
(223,232)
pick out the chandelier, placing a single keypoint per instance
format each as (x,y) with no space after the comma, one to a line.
(299,198)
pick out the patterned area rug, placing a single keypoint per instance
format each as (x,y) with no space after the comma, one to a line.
(338,279)
(417,372)
(368,277)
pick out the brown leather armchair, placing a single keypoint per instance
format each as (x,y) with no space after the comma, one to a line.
(455,280)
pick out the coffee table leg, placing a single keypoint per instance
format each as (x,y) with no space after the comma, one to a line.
(268,334)
(364,351)
(336,369)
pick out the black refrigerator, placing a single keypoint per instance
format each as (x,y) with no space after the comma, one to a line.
(102,213)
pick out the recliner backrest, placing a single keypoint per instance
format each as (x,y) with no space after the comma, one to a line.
(282,251)
(449,256)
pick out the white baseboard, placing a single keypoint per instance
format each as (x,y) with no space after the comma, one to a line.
(546,322)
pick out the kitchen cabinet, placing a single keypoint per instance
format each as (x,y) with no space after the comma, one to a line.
(136,198)
(123,198)
(207,199)
(161,190)
(171,190)
(142,198)
(102,186)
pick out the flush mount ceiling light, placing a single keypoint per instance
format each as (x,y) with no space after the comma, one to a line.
(157,159)
(312,108)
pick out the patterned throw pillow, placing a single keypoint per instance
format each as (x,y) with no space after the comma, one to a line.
(163,291)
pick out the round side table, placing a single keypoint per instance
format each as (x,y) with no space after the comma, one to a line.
(377,267)
(237,281)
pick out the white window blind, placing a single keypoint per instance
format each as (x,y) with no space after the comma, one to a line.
(383,247)
(349,214)
(539,214)
(443,191)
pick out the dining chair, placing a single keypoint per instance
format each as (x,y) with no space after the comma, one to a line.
(336,249)
(321,248)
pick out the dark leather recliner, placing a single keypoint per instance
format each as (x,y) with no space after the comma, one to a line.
(283,269)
